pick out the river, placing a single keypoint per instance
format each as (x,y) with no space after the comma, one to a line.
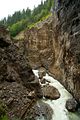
(58,106)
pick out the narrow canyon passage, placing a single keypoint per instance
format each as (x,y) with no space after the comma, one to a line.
(58,106)
(36,46)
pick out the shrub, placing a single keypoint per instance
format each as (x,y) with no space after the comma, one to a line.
(3,108)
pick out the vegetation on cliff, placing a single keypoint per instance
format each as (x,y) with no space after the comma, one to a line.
(3,108)
(23,19)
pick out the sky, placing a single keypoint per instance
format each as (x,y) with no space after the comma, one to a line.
(8,7)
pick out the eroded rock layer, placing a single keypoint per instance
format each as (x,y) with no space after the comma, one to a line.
(39,44)
(56,45)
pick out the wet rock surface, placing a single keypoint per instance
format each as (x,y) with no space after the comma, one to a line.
(43,81)
(41,72)
(50,92)
(71,105)
(40,111)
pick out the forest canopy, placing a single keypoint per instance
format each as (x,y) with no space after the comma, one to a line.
(25,18)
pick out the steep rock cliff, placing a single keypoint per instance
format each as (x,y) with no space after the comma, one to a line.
(15,77)
(39,44)
(13,63)
(56,45)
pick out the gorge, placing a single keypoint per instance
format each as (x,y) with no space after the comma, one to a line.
(58,105)
(53,44)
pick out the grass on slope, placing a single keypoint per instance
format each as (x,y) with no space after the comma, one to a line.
(20,36)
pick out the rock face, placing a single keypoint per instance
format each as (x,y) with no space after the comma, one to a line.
(39,44)
(56,45)
(17,81)
(13,63)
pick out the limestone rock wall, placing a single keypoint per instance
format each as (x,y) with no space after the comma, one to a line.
(40,45)
(66,43)
(56,45)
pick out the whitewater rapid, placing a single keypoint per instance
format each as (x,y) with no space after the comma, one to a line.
(58,106)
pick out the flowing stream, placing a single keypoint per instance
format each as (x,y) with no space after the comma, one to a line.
(58,106)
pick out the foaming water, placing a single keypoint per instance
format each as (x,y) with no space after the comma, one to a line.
(58,106)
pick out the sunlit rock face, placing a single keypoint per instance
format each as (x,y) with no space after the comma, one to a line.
(40,45)
(56,45)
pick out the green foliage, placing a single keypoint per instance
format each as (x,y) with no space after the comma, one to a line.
(42,19)
(4,117)
(17,27)
(3,108)
(26,18)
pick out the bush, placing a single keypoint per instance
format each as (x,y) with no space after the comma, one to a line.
(4,117)
(3,108)
(17,27)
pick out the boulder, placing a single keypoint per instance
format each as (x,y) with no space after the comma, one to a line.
(39,92)
(41,72)
(71,105)
(40,111)
(50,92)
(43,81)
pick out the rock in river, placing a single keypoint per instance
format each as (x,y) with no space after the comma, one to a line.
(50,92)
(71,105)
(42,72)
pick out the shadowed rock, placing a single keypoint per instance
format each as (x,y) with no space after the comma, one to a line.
(40,110)
(16,77)
(71,105)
